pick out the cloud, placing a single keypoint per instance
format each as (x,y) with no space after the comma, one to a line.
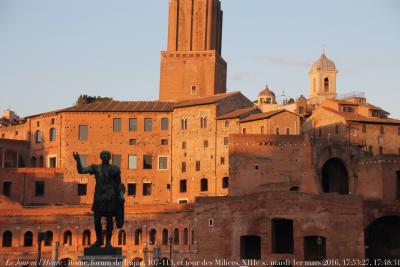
(284,61)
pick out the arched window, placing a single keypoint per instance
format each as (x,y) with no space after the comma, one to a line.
(176,236)
(52,136)
(185,236)
(49,238)
(244,130)
(382,130)
(28,239)
(164,240)
(204,185)
(262,130)
(38,137)
(203,121)
(314,86)
(121,238)
(326,85)
(184,123)
(138,236)
(33,162)
(225,182)
(7,239)
(67,241)
(86,238)
(152,236)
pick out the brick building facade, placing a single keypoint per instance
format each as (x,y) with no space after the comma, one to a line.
(210,175)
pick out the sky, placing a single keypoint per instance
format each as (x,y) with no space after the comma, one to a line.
(52,51)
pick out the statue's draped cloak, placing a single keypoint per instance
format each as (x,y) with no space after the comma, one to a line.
(107,182)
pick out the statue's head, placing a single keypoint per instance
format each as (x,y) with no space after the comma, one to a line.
(105,156)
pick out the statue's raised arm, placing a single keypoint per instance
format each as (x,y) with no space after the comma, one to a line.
(79,167)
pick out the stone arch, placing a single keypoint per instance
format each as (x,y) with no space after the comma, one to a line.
(138,236)
(86,238)
(67,240)
(28,239)
(152,236)
(335,177)
(121,238)
(165,237)
(33,162)
(7,239)
(382,238)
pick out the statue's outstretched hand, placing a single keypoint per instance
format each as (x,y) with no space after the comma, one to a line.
(76,156)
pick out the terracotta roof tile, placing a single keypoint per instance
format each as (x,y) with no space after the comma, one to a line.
(264,115)
(203,100)
(359,118)
(239,113)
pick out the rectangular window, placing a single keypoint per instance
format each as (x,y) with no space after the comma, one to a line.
(226,141)
(226,123)
(287,131)
(147,162)
(222,160)
(198,165)
(164,124)
(132,142)
(148,125)
(162,163)
(52,162)
(82,189)
(194,90)
(183,168)
(183,186)
(364,128)
(117,125)
(146,189)
(132,162)
(205,143)
(116,160)
(132,124)
(183,145)
(83,132)
(164,142)
(282,236)
(250,247)
(39,188)
(277,130)
(131,189)
(7,188)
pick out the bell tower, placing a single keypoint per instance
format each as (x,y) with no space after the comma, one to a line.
(192,66)
(322,80)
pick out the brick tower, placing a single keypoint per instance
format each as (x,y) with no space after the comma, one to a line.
(192,66)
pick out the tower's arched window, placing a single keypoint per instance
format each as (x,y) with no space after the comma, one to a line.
(164,240)
(152,236)
(28,239)
(67,238)
(204,185)
(38,137)
(184,123)
(138,236)
(203,121)
(326,85)
(121,238)
(52,136)
(314,85)
(86,238)
(7,239)
(185,236)
(176,236)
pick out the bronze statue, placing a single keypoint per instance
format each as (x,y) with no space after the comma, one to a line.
(108,196)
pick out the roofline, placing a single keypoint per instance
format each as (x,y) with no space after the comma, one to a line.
(271,115)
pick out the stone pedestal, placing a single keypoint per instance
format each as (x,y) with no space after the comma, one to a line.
(104,257)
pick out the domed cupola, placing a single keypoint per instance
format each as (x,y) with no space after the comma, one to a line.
(322,80)
(266,96)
